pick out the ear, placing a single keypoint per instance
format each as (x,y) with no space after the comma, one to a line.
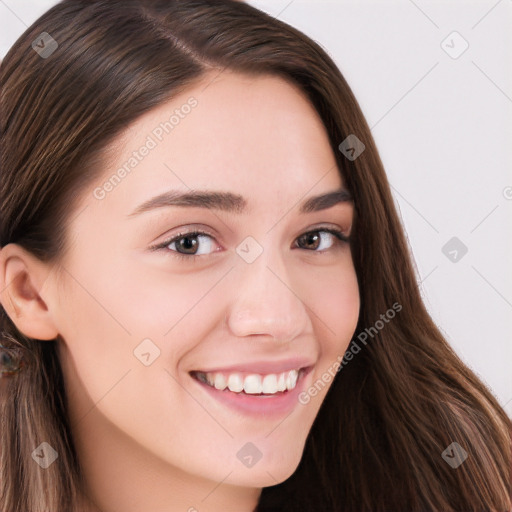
(22,277)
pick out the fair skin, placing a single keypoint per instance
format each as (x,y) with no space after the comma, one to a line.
(151,437)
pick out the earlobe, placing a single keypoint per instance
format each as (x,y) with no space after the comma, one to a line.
(22,277)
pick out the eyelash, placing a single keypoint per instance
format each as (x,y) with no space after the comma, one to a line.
(164,245)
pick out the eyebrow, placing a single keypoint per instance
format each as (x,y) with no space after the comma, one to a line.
(233,203)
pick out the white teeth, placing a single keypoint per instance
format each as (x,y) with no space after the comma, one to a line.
(281,382)
(220,381)
(269,384)
(253,384)
(291,380)
(235,382)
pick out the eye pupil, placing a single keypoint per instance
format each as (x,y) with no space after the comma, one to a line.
(185,245)
(311,238)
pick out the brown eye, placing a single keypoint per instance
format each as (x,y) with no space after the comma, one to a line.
(186,245)
(312,240)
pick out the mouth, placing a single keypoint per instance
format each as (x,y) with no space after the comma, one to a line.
(261,396)
(255,384)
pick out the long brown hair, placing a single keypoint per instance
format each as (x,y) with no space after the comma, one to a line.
(399,403)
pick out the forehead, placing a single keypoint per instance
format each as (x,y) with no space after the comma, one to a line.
(254,135)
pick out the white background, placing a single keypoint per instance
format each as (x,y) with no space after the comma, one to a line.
(443,127)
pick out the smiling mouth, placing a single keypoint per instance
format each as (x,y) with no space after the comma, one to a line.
(272,384)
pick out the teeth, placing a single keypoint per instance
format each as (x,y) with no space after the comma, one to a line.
(253,384)
(220,381)
(281,382)
(291,380)
(235,382)
(269,384)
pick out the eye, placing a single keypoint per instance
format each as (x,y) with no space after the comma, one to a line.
(185,245)
(312,237)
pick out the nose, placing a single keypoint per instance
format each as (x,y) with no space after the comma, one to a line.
(266,301)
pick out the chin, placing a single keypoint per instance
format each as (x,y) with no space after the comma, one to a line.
(265,474)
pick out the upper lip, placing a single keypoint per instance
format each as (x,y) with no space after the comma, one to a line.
(263,367)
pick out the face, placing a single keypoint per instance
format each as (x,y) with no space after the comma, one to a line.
(252,291)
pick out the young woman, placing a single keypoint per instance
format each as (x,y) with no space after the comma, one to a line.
(208,303)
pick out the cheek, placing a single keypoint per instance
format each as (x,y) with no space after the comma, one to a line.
(334,299)
(96,345)
(114,312)
(96,317)
(335,303)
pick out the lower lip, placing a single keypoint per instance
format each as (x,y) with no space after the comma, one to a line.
(259,405)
